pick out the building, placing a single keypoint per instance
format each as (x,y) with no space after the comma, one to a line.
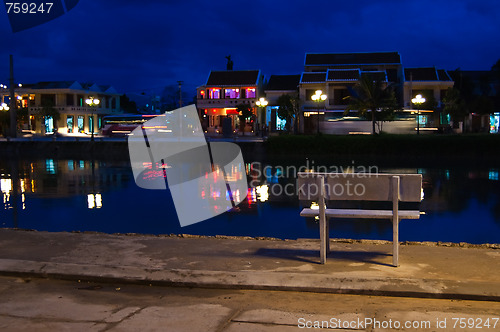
(336,74)
(481,91)
(277,86)
(69,100)
(432,84)
(219,97)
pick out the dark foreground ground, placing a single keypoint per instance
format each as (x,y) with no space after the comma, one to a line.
(98,282)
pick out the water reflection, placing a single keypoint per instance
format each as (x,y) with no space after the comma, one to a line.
(461,205)
(58,179)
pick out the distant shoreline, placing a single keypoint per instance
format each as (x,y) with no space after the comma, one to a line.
(399,150)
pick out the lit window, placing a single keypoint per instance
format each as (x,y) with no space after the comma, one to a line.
(251,93)
(214,93)
(232,93)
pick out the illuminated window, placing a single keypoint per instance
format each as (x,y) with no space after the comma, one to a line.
(49,124)
(251,93)
(80,124)
(69,123)
(202,94)
(214,94)
(232,93)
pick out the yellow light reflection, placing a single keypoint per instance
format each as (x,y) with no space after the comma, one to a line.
(262,192)
(90,201)
(94,201)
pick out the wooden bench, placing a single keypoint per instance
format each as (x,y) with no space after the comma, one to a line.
(323,187)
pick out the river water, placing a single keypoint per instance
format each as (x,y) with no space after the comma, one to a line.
(462,204)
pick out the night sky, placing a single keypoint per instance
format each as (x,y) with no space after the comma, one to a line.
(141,46)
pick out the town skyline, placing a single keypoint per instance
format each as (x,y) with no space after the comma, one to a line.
(140,49)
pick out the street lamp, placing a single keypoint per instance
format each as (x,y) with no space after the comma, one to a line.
(261,103)
(4,107)
(91,101)
(418,101)
(318,97)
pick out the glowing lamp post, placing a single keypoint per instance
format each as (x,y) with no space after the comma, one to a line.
(318,97)
(261,103)
(418,101)
(91,101)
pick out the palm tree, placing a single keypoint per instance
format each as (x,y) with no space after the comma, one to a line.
(48,111)
(454,105)
(288,110)
(371,96)
(245,113)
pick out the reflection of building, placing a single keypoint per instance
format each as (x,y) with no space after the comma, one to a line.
(218,98)
(60,178)
(68,99)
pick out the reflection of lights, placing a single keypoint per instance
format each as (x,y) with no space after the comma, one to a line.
(94,201)
(315,206)
(6,185)
(6,188)
(251,196)
(493,175)
(422,195)
(236,195)
(262,192)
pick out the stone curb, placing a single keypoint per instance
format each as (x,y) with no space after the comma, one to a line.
(338,283)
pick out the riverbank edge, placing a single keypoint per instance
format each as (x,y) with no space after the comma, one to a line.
(495,246)
(396,150)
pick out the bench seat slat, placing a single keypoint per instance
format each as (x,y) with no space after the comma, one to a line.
(355,213)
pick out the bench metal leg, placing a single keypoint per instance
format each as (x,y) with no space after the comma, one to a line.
(395,220)
(395,243)
(323,235)
(327,225)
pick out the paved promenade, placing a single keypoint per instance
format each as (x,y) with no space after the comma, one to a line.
(218,269)
(359,268)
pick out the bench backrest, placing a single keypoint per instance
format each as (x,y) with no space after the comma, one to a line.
(359,186)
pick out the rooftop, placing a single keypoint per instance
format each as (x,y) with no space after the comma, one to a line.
(283,82)
(233,78)
(72,85)
(426,74)
(317,59)
(343,75)
(313,78)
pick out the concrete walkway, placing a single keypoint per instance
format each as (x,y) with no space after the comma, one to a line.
(359,268)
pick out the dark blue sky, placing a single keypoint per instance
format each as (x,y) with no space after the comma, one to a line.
(143,45)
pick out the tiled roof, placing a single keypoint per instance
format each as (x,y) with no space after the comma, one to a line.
(313,77)
(343,75)
(421,74)
(375,75)
(443,75)
(71,85)
(51,85)
(283,82)
(233,78)
(313,59)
